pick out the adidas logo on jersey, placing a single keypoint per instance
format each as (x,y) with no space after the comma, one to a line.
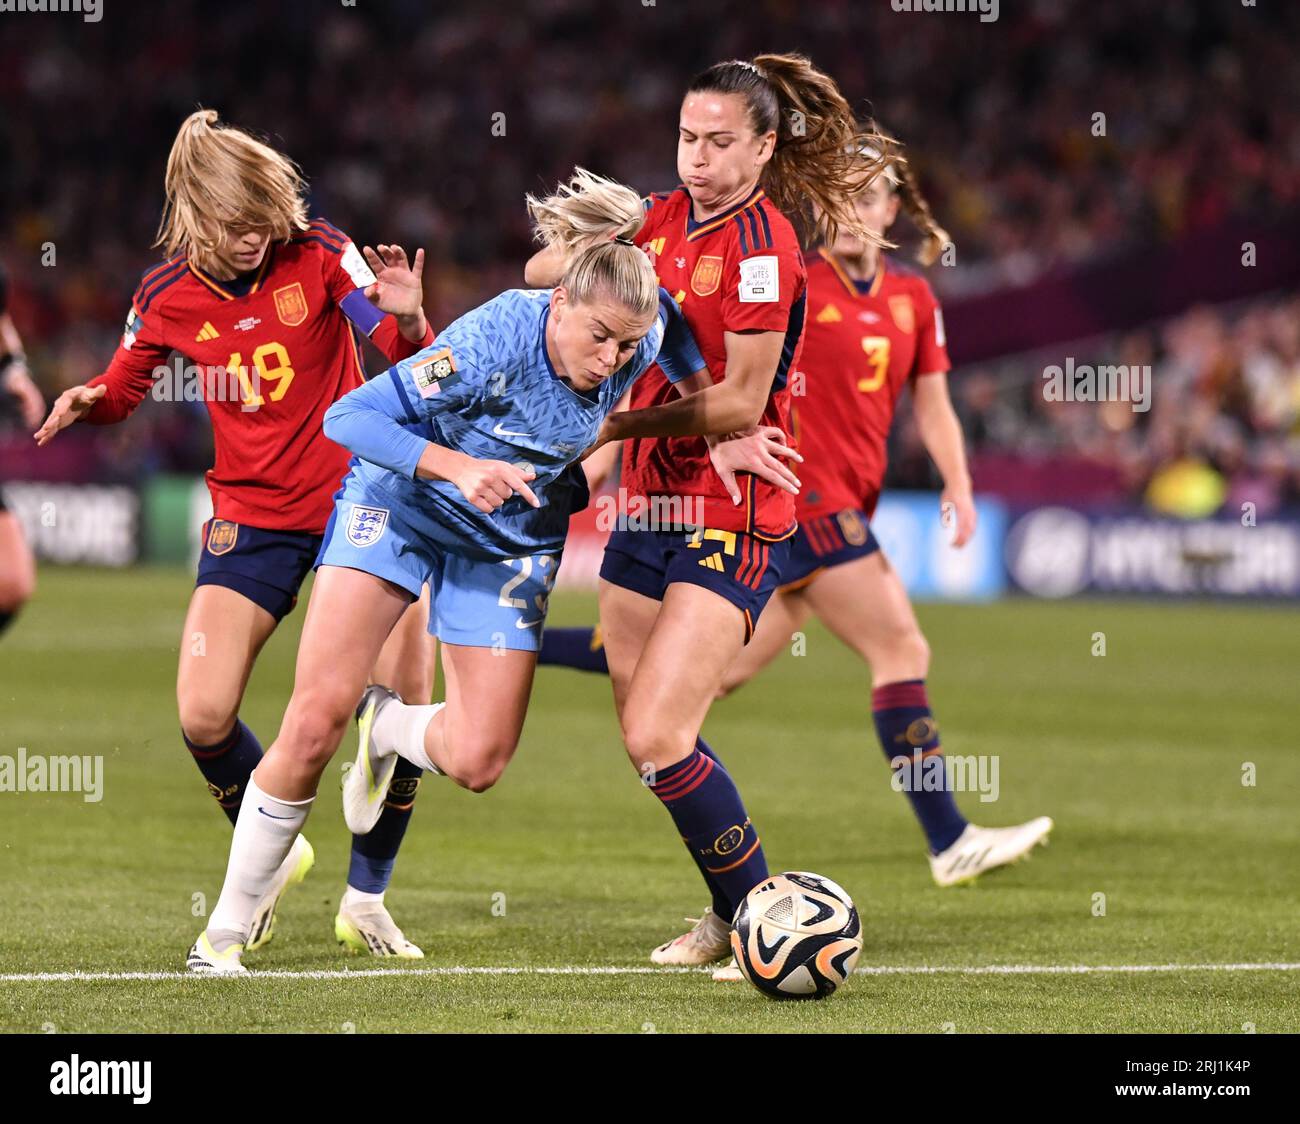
(829,315)
(712,562)
(207,332)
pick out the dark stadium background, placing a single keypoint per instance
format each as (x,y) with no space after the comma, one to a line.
(1122,248)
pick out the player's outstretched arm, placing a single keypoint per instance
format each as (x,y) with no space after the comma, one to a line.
(733,405)
(940,431)
(71,406)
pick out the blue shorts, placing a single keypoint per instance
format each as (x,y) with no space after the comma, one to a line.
(741,568)
(267,567)
(829,540)
(497,603)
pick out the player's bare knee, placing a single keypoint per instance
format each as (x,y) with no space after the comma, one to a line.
(204,721)
(477,757)
(313,726)
(651,745)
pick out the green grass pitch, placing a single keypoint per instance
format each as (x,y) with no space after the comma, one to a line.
(1138,755)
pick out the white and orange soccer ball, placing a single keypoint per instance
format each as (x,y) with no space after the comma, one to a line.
(796,936)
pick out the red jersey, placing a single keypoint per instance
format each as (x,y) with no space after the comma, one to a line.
(739,271)
(863,343)
(273,352)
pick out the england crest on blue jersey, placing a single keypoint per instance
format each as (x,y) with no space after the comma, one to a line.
(366,524)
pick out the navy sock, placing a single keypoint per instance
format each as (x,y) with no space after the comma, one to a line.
(909,736)
(710,816)
(373,855)
(227,766)
(5,619)
(579,648)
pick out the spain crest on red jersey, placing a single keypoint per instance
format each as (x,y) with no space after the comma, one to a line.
(291,304)
(707,275)
(900,308)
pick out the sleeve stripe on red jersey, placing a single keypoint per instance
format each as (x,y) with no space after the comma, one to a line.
(753,228)
(303,238)
(744,242)
(145,295)
(326,230)
(792,334)
(767,229)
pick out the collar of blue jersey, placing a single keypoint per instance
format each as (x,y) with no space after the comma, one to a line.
(693,228)
(586,397)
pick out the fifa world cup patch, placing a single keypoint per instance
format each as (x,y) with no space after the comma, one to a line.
(366,524)
(759,280)
(222,536)
(431,375)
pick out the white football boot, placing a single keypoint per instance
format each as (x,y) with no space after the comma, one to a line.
(204,960)
(369,927)
(708,941)
(366,780)
(300,859)
(981,849)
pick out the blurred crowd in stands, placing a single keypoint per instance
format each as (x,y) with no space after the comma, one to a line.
(426,123)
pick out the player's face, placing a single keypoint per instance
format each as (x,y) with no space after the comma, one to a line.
(590,340)
(242,248)
(719,156)
(876,208)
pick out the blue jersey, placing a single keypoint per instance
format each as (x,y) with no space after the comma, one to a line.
(487,388)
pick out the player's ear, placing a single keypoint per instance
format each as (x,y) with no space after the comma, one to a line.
(559,302)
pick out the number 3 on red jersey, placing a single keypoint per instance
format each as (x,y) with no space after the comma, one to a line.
(877,349)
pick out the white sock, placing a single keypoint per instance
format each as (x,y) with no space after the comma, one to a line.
(399,728)
(264,834)
(352,896)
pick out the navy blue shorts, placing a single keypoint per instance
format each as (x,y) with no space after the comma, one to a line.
(267,567)
(739,567)
(828,540)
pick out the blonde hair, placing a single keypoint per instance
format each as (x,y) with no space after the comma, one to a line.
(902,180)
(617,270)
(219,176)
(591,220)
(587,208)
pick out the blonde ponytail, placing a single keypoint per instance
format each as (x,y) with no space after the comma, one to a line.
(586,209)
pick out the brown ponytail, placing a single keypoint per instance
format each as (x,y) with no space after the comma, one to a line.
(818,166)
(918,210)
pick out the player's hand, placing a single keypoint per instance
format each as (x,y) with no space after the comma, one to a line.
(957,509)
(397,288)
(488,484)
(756,451)
(31,403)
(72,405)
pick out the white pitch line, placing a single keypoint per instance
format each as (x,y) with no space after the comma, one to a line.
(597,970)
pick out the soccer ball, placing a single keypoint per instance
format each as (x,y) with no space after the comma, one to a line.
(796,936)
